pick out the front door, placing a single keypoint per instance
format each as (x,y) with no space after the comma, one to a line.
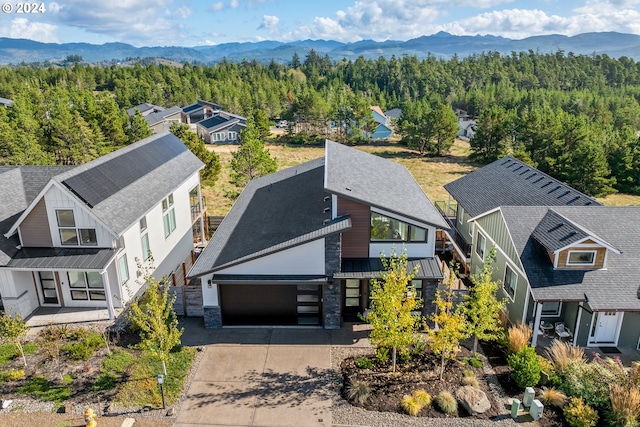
(607,326)
(48,287)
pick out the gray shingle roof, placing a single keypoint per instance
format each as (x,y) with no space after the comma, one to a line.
(510,182)
(120,207)
(284,208)
(614,288)
(367,268)
(143,108)
(158,117)
(377,182)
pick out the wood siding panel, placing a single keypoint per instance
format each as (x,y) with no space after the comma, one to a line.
(600,256)
(35,229)
(355,242)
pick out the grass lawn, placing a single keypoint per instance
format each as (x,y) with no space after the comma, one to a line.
(432,173)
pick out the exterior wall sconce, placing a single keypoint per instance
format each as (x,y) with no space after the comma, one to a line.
(209,283)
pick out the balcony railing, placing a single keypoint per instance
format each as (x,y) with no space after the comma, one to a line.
(197,208)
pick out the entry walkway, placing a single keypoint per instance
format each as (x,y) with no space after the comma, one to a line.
(266,377)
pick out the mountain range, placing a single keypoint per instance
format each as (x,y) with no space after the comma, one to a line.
(440,45)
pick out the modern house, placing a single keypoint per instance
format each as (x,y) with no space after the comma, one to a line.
(198,111)
(158,118)
(466,129)
(222,128)
(73,235)
(560,257)
(300,246)
(383,128)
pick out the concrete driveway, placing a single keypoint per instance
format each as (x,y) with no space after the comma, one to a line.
(268,377)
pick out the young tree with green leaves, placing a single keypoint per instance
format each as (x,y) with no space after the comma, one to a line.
(13,329)
(153,314)
(211,160)
(251,160)
(392,302)
(481,306)
(445,339)
(138,127)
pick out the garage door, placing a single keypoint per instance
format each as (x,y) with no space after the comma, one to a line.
(270,304)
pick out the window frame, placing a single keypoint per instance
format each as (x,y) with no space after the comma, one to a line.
(477,245)
(551,314)
(145,238)
(408,233)
(582,264)
(91,293)
(506,288)
(78,231)
(168,216)
(123,269)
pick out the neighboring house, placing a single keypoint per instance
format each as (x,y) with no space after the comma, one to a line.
(158,118)
(466,129)
(393,114)
(201,110)
(4,102)
(223,127)
(382,129)
(300,246)
(72,235)
(560,255)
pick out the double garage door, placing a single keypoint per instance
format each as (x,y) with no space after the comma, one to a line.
(297,304)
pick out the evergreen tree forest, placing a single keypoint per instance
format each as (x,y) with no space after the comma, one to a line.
(575,117)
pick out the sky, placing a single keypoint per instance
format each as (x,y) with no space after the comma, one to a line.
(210,22)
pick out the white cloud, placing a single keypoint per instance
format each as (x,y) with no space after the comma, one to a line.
(217,6)
(183,12)
(270,23)
(22,28)
(234,4)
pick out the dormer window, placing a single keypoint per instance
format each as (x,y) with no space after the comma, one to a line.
(581,258)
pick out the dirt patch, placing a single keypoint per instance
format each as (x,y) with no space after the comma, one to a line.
(70,420)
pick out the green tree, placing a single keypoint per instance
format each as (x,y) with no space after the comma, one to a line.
(445,128)
(211,160)
(444,340)
(491,140)
(262,124)
(153,315)
(481,305)
(252,159)
(13,329)
(392,301)
(138,127)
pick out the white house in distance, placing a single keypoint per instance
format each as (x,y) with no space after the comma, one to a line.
(72,235)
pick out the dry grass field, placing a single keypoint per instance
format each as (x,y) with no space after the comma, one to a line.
(430,172)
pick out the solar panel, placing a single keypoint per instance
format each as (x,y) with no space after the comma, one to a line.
(106,179)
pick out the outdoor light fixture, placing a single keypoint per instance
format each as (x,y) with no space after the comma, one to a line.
(209,283)
(160,383)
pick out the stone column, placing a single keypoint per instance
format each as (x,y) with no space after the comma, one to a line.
(212,317)
(331,307)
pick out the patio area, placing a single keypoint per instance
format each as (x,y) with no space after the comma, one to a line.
(45,316)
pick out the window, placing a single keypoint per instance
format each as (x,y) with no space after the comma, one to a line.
(123,267)
(143,224)
(480,246)
(120,243)
(510,281)
(581,258)
(146,250)
(69,234)
(352,293)
(232,136)
(460,214)
(168,216)
(218,136)
(86,286)
(385,229)
(551,308)
(416,285)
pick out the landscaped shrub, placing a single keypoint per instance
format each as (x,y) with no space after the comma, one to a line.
(469,373)
(590,381)
(525,367)
(548,368)
(579,414)
(446,402)
(12,375)
(422,397)
(472,361)
(88,342)
(625,406)
(382,354)
(519,338)
(472,381)
(552,396)
(363,363)
(413,404)
(358,392)
(561,353)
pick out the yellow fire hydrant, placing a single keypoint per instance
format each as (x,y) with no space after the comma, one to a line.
(89,416)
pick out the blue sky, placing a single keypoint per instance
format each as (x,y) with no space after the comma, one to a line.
(202,22)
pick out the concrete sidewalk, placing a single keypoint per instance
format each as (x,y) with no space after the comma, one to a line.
(267,377)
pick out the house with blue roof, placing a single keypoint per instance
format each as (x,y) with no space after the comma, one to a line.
(73,235)
(300,246)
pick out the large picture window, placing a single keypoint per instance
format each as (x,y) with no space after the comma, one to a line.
(70,235)
(385,229)
(86,286)
(168,216)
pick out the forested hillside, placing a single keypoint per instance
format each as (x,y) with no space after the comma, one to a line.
(575,117)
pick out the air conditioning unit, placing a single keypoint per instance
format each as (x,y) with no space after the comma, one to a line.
(516,407)
(529,394)
(536,409)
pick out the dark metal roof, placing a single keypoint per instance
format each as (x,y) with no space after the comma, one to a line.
(368,268)
(510,182)
(106,179)
(264,279)
(64,258)
(612,288)
(377,182)
(191,108)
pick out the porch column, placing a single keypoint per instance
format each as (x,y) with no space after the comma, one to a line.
(536,323)
(107,294)
(576,328)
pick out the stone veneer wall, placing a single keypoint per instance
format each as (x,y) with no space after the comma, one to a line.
(212,317)
(331,291)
